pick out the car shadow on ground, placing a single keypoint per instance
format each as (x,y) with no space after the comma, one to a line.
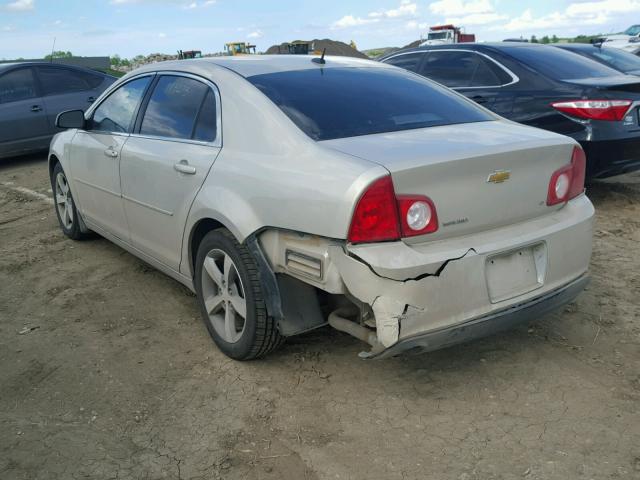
(24,160)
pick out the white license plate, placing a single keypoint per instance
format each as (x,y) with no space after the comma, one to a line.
(516,272)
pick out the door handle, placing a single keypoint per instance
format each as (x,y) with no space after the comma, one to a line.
(110,152)
(36,108)
(183,167)
(479,99)
(91,99)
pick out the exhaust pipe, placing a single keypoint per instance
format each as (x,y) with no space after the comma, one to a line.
(337,321)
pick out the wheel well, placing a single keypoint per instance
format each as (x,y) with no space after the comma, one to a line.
(203,227)
(53,160)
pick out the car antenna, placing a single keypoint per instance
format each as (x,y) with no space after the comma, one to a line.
(320,60)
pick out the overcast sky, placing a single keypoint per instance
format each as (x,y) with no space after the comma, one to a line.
(131,27)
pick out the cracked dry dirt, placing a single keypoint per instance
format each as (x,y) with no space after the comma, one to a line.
(107,372)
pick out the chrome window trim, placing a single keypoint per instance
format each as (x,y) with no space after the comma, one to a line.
(103,98)
(217,142)
(514,78)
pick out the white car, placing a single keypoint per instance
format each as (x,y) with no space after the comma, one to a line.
(290,192)
(628,41)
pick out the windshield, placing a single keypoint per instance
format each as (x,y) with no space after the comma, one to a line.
(634,30)
(618,59)
(559,64)
(438,35)
(328,103)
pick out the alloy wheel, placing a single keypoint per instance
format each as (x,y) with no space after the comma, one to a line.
(63,201)
(224,296)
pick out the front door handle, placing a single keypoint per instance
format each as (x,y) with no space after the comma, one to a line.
(110,152)
(91,99)
(36,108)
(183,167)
(479,99)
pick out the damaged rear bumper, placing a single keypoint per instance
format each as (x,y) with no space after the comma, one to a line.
(435,294)
(489,324)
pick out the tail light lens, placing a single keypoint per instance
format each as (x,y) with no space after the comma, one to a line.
(610,110)
(375,218)
(417,215)
(382,216)
(568,182)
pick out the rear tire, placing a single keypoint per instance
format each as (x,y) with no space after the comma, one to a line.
(66,211)
(231,298)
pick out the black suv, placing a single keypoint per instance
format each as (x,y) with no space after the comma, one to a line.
(544,87)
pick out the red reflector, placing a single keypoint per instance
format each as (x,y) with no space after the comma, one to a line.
(568,182)
(375,218)
(610,110)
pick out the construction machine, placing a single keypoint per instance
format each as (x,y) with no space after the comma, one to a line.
(239,48)
(183,55)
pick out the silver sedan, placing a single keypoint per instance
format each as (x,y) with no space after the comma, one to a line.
(294,191)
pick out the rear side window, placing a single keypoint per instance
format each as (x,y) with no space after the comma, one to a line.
(17,85)
(115,114)
(408,61)
(205,130)
(559,64)
(58,80)
(173,107)
(453,69)
(328,103)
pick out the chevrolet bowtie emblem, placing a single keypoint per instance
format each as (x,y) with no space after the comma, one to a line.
(499,176)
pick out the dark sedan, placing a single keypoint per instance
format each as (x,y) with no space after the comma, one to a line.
(31,96)
(616,58)
(544,87)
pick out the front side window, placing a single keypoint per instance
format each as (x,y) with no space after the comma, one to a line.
(173,107)
(633,30)
(115,114)
(17,85)
(408,61)
(58,80)
(328,103)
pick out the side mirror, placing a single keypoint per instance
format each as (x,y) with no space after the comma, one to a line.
(70,119)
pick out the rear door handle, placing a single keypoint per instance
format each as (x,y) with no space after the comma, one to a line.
(183,167)
(91,99)
(36,108)
(110,152)
(479,99)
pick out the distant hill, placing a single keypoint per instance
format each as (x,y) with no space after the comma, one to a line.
(379,52)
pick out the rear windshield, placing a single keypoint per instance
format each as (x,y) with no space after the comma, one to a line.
(328,103)
(559,64)
(618,59)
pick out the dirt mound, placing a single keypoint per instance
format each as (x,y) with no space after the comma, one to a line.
(333,47)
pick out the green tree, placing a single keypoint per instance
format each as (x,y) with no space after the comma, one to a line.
(554,39)
(545,39)
(58,54)
(534,39)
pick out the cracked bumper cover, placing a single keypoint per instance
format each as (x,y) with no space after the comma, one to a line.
(435,294)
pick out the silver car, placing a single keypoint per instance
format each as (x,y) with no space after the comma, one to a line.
(32,94)
(292,191)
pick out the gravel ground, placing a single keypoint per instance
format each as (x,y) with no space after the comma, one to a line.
(107,372)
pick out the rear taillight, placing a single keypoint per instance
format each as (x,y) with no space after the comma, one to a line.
(375,218)
(382,216)
(417,215)
(568,182)
(611,110)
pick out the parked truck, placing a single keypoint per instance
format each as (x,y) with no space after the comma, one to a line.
(443,34)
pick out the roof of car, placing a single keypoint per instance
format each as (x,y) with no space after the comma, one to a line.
(467,46)
(249,65)
(576,46)
(6,66)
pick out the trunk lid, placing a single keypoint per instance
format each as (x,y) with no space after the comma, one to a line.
(622,83)
(452,165)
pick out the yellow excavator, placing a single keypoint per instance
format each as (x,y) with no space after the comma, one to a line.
(239,48)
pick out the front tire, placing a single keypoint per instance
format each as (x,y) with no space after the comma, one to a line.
(231,298)
(66,211)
